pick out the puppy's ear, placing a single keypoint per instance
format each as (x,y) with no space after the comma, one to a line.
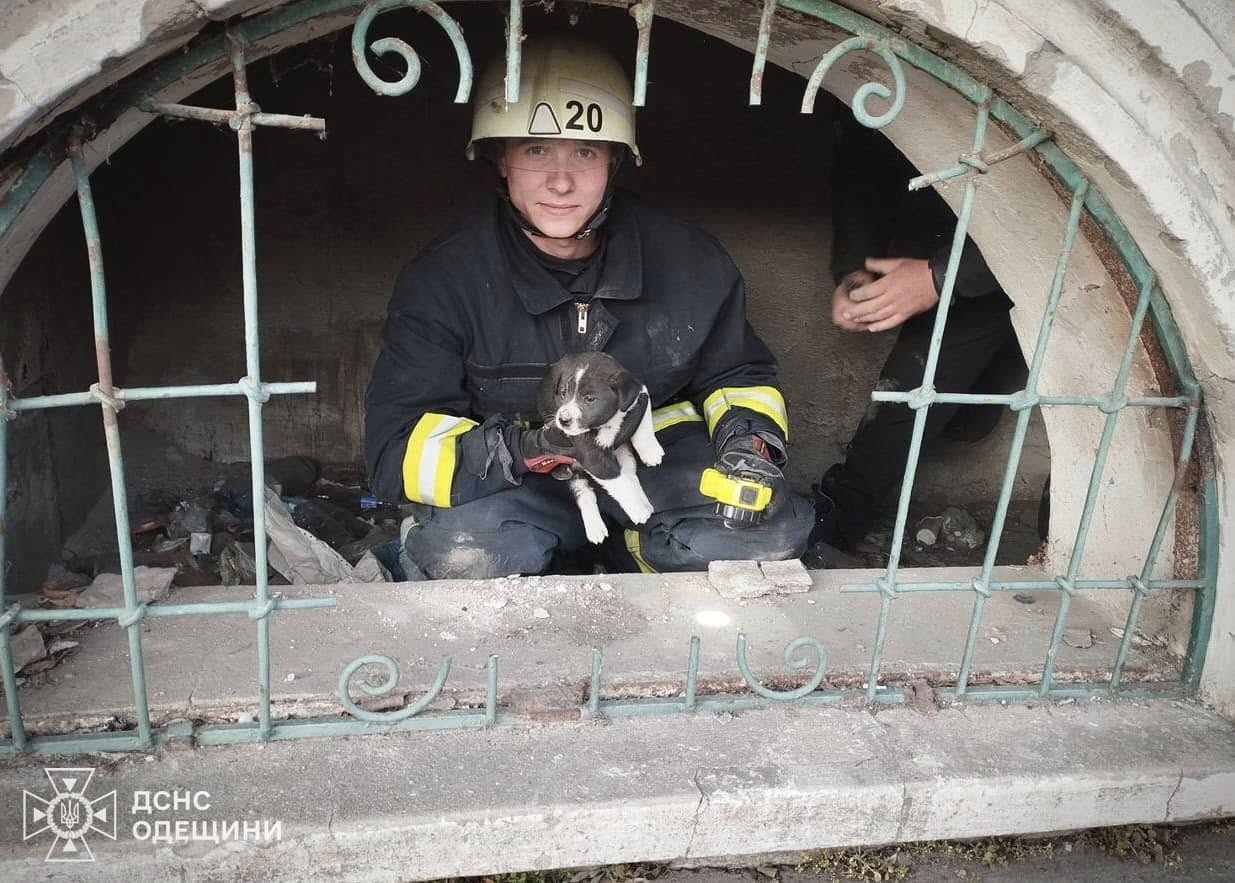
(626,387)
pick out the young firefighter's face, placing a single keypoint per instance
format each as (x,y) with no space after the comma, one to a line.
(557,184)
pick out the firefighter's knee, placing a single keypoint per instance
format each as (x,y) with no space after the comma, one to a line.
(690,540)
(451,548)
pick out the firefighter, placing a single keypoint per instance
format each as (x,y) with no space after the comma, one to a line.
(560,261)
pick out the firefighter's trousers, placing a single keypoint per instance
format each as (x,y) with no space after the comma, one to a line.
(520,530)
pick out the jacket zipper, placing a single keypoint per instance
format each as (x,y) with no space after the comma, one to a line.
(582,308)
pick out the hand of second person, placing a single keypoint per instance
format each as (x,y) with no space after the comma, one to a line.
(905,289)
(842,302)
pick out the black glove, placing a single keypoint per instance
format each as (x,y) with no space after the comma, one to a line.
(751,455)
(546,449)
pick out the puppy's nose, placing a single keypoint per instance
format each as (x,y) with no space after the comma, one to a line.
(565,421)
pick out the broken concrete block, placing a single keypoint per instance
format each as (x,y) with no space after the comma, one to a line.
(107,590)
(1078,636)
(199,543)
(27,646)
(738,579)
(786,576)
(929,529)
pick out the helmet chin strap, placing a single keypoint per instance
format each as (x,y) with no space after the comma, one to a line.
(590,226)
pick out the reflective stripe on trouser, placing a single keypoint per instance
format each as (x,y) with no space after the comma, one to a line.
(765,400)
(518,530)
(429,461)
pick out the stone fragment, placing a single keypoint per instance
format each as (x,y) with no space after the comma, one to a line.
(107,590)
(738,579)
(27,646)
(1079,637)
(929,530)
(786,576)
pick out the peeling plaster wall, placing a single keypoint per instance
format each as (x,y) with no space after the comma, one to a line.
(1138,93)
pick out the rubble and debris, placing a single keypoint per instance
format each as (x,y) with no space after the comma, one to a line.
(300,556)
(61,586)
(929,529)
(237,566)
(960,531)
(1079,637)
(107,590)
(786,576)
(189,517)
(737,580)
(27,646)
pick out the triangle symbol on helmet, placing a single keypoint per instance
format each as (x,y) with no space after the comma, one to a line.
(544,121)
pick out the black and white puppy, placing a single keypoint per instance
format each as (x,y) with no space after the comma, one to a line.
(605,411)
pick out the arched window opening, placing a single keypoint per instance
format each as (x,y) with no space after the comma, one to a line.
(1090,347)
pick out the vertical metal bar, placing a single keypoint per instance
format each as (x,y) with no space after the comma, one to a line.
(253,373)
(7,671)
(644,13)
(692,674)
(1022,428)
(1203,601)
(1139,592)
(134,610)
(1112,409)
(887,583)
(491,693)
(514,51)
(593,699)
(761,52)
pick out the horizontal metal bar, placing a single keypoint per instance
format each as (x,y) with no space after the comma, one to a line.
(204,608)
(982,162)
(1031,586)
(233,117)
(1090,690)
(230,734)
(1009,399)
(149,393)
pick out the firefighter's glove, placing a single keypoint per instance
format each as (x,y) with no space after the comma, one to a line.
(547,450)
(750,457)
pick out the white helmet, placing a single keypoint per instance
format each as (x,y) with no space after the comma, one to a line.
(569,89)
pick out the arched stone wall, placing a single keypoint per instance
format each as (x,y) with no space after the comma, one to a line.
(1144,110)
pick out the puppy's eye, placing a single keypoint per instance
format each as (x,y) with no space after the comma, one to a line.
(589,399)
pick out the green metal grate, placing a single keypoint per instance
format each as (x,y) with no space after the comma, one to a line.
(802,654)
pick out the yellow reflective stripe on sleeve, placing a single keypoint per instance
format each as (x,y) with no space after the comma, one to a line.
(632,546)
(766,400)
(672,415)
(429,462)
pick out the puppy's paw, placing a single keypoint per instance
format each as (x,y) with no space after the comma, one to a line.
(594,527)
(651,454)
(638,510)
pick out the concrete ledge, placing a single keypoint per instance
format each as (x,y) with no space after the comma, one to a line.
(203,667)
(679,788)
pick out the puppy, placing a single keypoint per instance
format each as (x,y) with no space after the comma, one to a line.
(605,411)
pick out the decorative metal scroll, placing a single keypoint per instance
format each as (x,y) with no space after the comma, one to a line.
(395,46)
(393,675)
(800,654)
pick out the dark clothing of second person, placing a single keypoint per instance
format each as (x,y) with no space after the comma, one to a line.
(875,215)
